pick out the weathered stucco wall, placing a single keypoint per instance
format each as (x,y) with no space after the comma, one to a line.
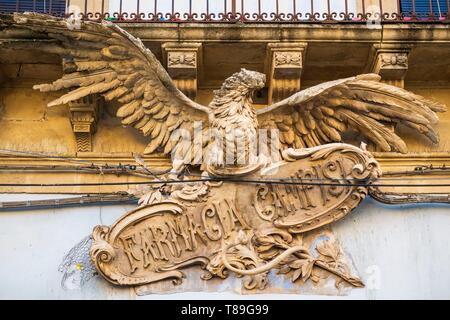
(28,125)
(399,252)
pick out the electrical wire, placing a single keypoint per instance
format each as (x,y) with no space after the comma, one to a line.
(156,172)
(44,155)
(84,200)
(129,169)
(145,172)
(233,180)
(57,157)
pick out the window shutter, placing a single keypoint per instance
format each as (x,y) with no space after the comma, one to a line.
(423,7)
(58,7)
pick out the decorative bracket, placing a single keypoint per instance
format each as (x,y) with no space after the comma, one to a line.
(391,63)
(84,117)
(285,67)
(182,61)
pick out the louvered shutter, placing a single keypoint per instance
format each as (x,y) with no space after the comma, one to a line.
(423,7)
(55,7)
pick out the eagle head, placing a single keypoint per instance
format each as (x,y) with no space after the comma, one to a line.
(245,82)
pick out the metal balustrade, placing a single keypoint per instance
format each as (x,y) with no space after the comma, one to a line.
(244,11)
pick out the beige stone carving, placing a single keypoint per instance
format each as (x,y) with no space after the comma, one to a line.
(283,59)
(393,60)
(222,223)
(181,59)
(84,117)
(182,65)
(112,63)
(284,69)
(246,229)
(392,65)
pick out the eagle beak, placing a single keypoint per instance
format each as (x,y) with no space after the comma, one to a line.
(263,81)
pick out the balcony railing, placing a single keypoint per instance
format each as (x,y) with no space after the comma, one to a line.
(244,11)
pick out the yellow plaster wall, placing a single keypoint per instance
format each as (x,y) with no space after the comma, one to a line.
(28,125)
(417,143)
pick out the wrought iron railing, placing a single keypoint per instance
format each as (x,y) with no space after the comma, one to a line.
(245,11)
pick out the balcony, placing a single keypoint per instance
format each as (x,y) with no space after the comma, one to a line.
(243,11)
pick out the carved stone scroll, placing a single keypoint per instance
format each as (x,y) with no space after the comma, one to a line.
(247,229)
(183,61)
(392,65)
(285,69)
(84,117)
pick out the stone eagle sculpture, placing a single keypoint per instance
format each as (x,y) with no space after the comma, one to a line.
(102,58)
(244,228)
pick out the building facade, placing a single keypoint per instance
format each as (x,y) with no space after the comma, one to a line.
(398,248)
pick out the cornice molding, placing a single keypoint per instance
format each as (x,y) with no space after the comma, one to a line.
(273,32)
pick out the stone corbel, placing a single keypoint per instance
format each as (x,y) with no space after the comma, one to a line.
(182,61)
(391,64)
(285,65)
(84,116)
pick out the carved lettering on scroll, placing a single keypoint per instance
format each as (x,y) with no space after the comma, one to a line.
(233,227)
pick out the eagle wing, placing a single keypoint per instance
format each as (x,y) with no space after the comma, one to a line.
(103,59)
(321,114)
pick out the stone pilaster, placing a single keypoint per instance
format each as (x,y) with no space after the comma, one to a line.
(84,117)
(391,64)
(182,62)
